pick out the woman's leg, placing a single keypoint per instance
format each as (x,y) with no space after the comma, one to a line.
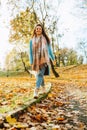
(42,84)
(39,80)
(43,89)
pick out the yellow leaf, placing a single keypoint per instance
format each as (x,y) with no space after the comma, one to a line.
(50,95)
(21,125)
(11,120)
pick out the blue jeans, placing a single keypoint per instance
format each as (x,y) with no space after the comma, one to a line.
(40,77)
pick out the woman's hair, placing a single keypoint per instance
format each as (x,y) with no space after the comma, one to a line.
(43,32)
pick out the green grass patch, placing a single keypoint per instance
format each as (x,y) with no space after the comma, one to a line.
(13,73)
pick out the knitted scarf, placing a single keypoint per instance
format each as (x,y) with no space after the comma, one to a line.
(40,52)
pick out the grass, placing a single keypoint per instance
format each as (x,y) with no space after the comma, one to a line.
(12,73)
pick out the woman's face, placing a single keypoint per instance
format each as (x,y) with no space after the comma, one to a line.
(38,30)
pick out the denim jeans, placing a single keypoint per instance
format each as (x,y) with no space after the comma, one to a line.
(40,77)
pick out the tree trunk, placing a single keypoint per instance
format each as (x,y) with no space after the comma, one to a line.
(25,68)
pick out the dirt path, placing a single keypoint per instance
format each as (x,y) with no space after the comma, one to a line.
(79,102)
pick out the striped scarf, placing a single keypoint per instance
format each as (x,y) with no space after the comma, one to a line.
(40,52)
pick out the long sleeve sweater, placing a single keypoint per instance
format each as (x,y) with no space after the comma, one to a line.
(50,52)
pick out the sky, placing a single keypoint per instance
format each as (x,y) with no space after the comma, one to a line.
(72,23)
(5,46)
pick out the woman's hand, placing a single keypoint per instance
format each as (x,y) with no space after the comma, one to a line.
(54,62)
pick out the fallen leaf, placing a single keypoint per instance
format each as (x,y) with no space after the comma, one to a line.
(20,125)
(60,118)
(10,120)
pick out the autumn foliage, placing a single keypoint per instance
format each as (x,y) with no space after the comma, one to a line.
(22,26)
(64,107)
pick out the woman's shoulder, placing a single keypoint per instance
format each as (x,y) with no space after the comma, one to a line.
(30,41)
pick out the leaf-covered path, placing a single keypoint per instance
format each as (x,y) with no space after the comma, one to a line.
(61,110)
(65,107)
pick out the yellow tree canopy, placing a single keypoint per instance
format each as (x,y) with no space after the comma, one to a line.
(22,26)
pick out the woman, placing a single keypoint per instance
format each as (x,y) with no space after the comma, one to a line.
(40,55)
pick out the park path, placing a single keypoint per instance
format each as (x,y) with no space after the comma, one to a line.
(65,108)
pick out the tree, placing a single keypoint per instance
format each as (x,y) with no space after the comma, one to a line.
(83,48)
(57,55)
(64,56)
(22,26)
(72,57)
(9,61)
(16,60)
(67,57)
(80,59)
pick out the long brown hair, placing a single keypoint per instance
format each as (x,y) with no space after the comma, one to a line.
(43,32)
